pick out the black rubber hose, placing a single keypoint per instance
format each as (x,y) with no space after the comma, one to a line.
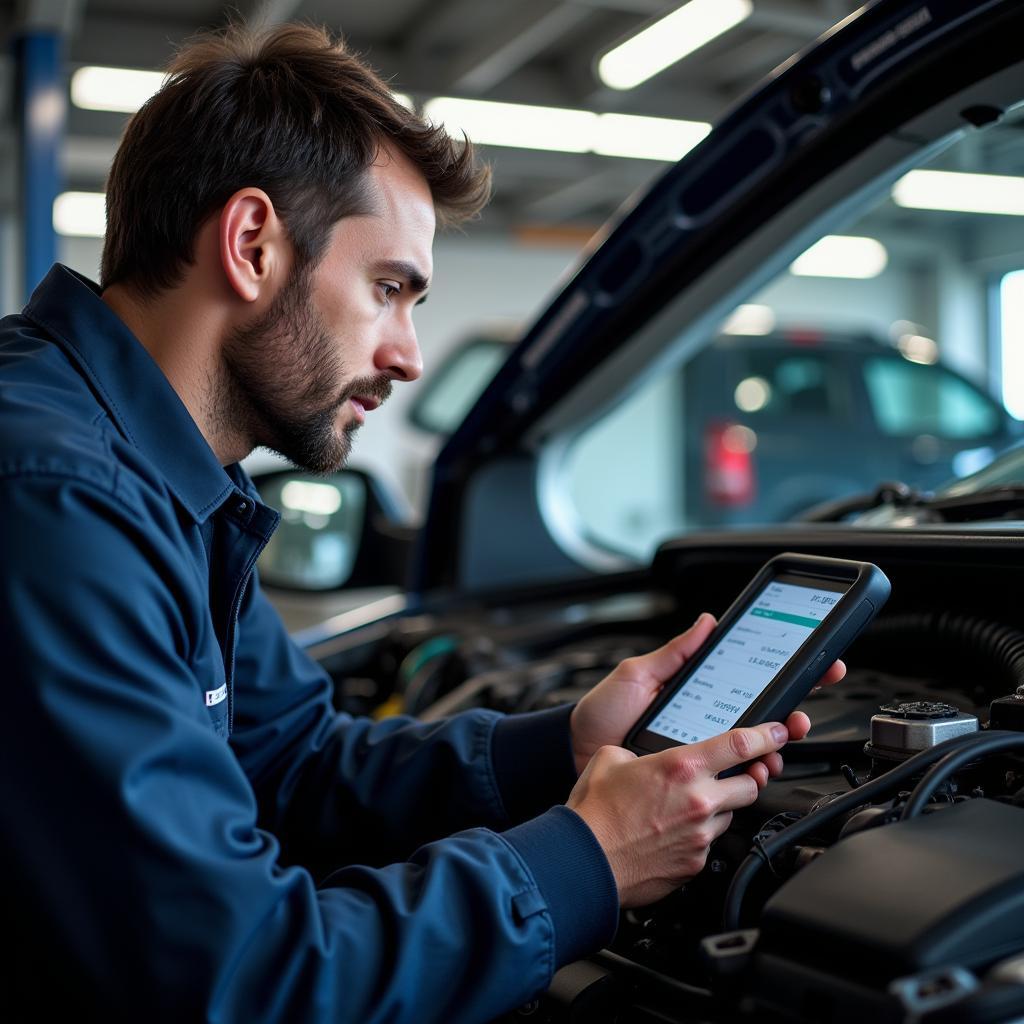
(999,645)
(870,792)
(984,744)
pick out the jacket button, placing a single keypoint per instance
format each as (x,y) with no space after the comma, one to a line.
(242,507)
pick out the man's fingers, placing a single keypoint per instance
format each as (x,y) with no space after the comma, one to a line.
(739,745)
(660,665)
(768,767)
(760,772)
(736,792)
(798,724)
(836,671)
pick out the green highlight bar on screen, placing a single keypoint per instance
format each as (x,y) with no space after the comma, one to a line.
(797,620)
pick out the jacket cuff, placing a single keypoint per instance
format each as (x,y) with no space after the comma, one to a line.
(532,758)
(574,879)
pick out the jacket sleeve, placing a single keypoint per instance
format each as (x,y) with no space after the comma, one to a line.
(140,883)
(328,784)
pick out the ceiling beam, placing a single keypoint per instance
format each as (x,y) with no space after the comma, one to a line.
(643,7)
(444,19)
(607,188)
(754,58)
(789,20)
(524,35)
(129,42)
(836,10)
(702,102)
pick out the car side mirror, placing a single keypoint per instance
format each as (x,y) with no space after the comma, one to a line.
(341,530)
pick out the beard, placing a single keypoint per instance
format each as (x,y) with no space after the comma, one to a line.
(284,382)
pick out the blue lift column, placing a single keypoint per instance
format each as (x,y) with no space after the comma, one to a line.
(41,113)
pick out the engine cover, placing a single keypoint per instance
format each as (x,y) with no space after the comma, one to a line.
(946,888)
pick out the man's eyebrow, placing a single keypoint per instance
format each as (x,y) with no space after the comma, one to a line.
(403,268)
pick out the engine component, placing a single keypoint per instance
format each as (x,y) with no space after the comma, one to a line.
(900,730)
(962,642)
(992,742)
(943,889)
(1008,712)
(948,757)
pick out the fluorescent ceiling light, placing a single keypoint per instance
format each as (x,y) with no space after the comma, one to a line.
(81,214)
(515,124)
(647,138)
(566,131)
(750,319)
(670,39)
(123,90)
(842,256)
(963,193)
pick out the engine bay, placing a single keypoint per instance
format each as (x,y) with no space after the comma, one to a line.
(878,876)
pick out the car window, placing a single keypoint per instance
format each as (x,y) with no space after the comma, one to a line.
(910,399)
(874,355)
(456,384)
(785,384)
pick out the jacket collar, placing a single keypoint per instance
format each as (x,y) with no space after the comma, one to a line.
(131,387)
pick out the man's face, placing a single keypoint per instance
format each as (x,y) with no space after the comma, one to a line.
(303,375)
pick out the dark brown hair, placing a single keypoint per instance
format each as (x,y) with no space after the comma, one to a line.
(288,110)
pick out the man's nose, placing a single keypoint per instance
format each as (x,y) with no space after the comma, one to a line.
(399,357)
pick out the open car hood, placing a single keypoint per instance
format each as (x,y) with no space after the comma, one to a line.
(856,87)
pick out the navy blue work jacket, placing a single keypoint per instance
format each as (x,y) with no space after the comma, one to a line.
(191,832)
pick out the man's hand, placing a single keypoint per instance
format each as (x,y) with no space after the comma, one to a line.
(608,712)
(655,816)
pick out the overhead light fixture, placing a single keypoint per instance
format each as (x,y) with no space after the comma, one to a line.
(515,124)
(647,138)
(961,192)
(750,319)
(567,131)
(842,256)
(669,39)
(122,90)
(80,214)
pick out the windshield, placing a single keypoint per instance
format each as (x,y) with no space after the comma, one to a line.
(881,352)
(1006,471)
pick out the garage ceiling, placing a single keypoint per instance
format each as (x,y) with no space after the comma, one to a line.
(527,51)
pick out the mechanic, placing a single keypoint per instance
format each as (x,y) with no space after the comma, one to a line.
(191,831)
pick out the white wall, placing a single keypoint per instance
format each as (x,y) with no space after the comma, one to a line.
(838,303)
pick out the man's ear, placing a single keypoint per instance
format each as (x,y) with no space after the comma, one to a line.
(254,246)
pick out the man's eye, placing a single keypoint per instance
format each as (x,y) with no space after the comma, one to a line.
(388,289)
